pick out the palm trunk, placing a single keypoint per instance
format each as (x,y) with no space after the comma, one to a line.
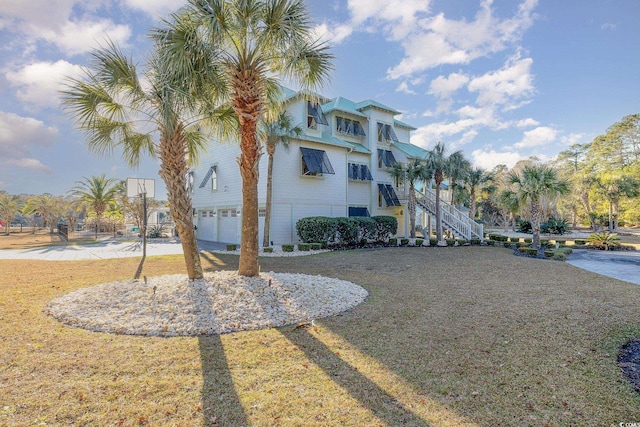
(472,204)
(535,222)
(411,207)
(267,214)
(616,204)
(610,216)
(438,214)
(174,170)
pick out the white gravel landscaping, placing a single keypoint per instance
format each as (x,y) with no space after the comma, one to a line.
(222,302)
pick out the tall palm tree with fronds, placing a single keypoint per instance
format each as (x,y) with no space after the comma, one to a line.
(532,184)
(241,48)
(475,178)
(152,114)
(97,192)
(438,163)
(415,171)
(275,132)
(457,171)
(509,203)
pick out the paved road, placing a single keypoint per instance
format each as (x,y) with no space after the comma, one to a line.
(622,265)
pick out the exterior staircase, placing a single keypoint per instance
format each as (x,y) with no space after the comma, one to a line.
(454,220)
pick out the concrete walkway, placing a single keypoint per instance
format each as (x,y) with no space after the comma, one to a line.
(621,265)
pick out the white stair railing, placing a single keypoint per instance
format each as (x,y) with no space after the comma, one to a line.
(455,220)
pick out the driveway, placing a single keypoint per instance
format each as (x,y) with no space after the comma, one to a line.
(621,265)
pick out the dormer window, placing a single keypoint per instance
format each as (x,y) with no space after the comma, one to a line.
(386,133)
(315,116)
(349,127)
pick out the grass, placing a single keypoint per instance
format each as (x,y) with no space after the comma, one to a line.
(448,337)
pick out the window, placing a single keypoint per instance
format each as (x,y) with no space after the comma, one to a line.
(349,127)
(358,211)
(224,214)
(315,116)
(359,172)
(262,212)
(386,133)
(315,162)
(234,213)
(386,192)
(385,159)
(212,174)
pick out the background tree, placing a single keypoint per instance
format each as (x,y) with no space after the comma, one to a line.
(73,210)
(241,48)
(532,184)
(9,208)
(614,186)
(97,193)
(457,171)
(115,109)
(509,203)
(415,171)
(278,131)
(473,181)
(48,207)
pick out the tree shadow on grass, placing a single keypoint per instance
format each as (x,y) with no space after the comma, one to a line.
(139,270)
(369,394)
(220,403)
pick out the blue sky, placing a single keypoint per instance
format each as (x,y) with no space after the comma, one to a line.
(500,80)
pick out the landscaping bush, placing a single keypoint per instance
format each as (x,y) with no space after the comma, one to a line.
(544,242)
(287,248)
(561,241)
(604,241)
(548,254)
(498,237)
(555,226)
(419,242)
(524,227)
(346,230)
(514,239)
(393,241)
(528,240)
(507,244)
(531,251)
(462,242)
(232,247)
(580,242)
(316,246)
(475,242)
(304,247)
(522,245)
(366,228)
(433,241)
(404,242)
(450,242)
(386,226)
(491,242)
(156,231)
(267,249)
(316,229)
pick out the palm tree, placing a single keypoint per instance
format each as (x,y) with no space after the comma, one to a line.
(278,131)
(614,187)
(240,48)
(415,171)
(475,178)
(532,184)
(48,207)
(457,170)
(96,192)
(510,204)
(110,103)
(438,163)
(9,207)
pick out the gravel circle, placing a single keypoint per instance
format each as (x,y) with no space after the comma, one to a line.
(222,302)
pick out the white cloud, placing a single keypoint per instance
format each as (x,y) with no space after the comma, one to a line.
(608,26)
(488,159)
(334,34)
(445,86)
(38,83)
(404,88)
(18,135)
(156,7)
(397,17)
(542,135)
(528,122)
(572,138)
(504,86)
(25,163)
(79,37)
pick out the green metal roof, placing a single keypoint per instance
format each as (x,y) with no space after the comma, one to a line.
(403,124)
(375,104)
(342,104)
(411,150)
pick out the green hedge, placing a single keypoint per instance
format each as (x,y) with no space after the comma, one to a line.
(267,249)
(450,242)
(393,241)
(304,247)
(316,246)
(346,230)
(433,241)
(287,248)
(475,242)
(232,247)
(419,242)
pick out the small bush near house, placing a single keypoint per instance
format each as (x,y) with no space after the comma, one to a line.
(315,246)
(491,242)
(580,242)
(507,244)
(346,230)
(528,240)
(304,247)
(156,231)
(450,242)
(475,242)
(316,229)
(385,226)
(404,242)
(287,248)
(548,254)
(462,242)
(524,227)
(555,226)
(433,242)
(393,241)
(522,245)
(366,228)
(267,250)
(544,242)
(419,242)
(561,241)
(514,239)
(232,247)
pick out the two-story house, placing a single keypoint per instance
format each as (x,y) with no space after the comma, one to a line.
(337,166)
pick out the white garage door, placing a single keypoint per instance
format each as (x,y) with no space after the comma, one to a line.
(228,226)
(206,226)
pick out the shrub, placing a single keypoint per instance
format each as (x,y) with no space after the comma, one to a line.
(156,231)
(232,247)
(419,242)
(491,242)
(404,242)
(531,251)
(393,241)
(267,249)
(544,242)
(524,227)
(561,241)
(450,242)
(316,229)
(366,228)
(604,241)
(346,230)
(555,226)
(548,254)
(316,246)
(304,247)
(433,241)
(498,237)
(528,240)
(522,245)
(287,248)
(580,242)
(514,239)
(386,226)
(506,244)
(523,249)
(475,242)
(462,242)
